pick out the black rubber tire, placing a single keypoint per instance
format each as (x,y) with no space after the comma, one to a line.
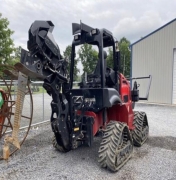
(141,131)
(57,146)
(115,135)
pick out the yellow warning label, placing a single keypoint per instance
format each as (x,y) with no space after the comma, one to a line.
(76,129)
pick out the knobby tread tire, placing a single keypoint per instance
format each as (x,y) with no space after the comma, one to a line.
(141,130)
(115,137)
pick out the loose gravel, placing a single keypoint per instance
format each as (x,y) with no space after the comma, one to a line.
(155,160)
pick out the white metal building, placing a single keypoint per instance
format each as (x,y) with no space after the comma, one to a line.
(155,55)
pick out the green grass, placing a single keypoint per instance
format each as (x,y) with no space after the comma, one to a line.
(41,90)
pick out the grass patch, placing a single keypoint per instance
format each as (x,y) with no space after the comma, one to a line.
(36,90)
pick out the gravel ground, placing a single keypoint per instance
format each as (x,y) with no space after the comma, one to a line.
(155,160)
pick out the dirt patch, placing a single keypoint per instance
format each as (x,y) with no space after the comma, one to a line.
(138,153)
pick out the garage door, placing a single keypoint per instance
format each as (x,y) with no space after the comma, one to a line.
(174,79)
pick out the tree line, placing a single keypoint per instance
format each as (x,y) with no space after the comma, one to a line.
(9,54)
(87,55)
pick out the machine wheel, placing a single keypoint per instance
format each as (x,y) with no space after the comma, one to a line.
(7,112)
(116,147)
(141,131)
(57,146)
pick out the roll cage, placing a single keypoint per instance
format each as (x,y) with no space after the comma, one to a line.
(100,37)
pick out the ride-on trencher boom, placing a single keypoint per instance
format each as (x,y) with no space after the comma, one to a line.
(104,102)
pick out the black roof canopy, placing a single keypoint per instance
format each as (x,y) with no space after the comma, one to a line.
(85,32)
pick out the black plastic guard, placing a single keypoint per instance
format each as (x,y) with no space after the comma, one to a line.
(89,127)
(104,98)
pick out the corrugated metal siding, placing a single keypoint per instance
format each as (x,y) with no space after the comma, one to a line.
(154,55)
(174,79)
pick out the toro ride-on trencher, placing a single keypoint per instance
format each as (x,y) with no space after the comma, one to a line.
(104,101)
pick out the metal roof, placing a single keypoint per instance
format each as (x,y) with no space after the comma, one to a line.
(153,32)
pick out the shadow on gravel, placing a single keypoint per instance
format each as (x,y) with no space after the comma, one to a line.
(87,157)
(165,142)
(84,152)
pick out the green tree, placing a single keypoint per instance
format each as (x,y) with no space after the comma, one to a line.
(67,54)
(88,57)
(109,59)
(6,43)
(17,55)
(18,52)
(124,57)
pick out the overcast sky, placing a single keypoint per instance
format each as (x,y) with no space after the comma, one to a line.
(132,19)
